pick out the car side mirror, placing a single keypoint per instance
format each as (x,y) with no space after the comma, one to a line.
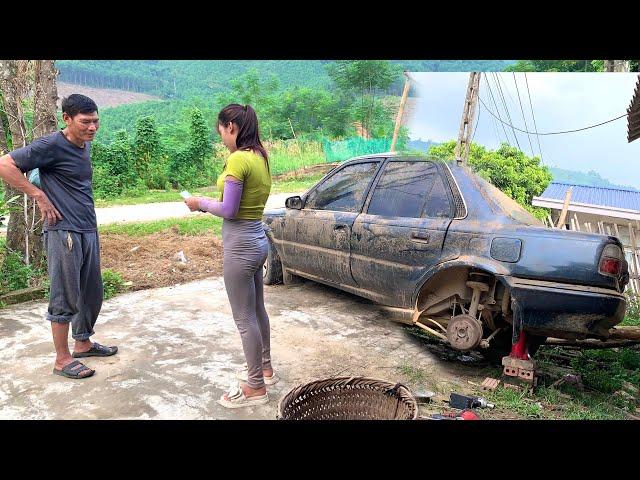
(294,202)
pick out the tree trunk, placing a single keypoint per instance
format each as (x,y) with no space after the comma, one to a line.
(44,121)
(3,136)
(24,232)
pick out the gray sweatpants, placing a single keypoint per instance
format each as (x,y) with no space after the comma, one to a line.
(245,248)
(76,290)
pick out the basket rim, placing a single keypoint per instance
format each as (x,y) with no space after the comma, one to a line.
(349,381)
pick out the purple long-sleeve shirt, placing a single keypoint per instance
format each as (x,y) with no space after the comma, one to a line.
(230,204)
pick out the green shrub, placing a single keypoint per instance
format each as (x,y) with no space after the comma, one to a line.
(113,283)
(15,275)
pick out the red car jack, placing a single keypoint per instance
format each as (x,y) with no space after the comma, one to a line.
(518,364)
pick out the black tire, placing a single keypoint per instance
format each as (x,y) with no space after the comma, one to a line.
(272,270)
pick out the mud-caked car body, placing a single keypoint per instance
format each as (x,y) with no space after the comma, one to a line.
(443,248)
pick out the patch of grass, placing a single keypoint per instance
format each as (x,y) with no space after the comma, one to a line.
(152,196)
(296,184)
(196,225)
(611,380)
(415,376)
(518,402)
(113,283)
(606,371)
(287,155)
(581,405)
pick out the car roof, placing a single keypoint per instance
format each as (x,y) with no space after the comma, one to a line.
(383,155)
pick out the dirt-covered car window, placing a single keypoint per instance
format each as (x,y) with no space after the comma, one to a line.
(344,191)
(438,204)
(409,189)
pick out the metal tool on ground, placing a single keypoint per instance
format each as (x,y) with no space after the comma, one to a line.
(424,396)
(464,415)
(457,400)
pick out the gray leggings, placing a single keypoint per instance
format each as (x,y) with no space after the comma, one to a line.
(245,248)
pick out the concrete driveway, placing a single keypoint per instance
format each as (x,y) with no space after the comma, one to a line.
(179,348)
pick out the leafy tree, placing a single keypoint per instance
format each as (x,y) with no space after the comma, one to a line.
(114,167)
(563,66)
(147,144)
(362,81)
(199,143)
(556,66)
(187,165)
(509,169)
(306,111)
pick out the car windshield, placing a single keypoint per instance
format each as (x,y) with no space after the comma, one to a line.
(505,203)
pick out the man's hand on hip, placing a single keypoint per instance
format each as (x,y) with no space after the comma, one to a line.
(47,210)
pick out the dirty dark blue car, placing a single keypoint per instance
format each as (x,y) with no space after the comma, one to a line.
(443,249)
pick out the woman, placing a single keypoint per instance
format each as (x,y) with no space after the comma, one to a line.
(245,182)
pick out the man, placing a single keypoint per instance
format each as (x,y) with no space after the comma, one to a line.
(70,229)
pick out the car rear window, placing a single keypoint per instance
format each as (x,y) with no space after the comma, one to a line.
(505,203)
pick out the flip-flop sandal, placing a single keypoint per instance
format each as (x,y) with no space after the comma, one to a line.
(97,350)
(244,376)
(237,399)
(74,370)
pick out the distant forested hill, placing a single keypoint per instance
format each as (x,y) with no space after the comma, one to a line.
(590,178)
(203,78)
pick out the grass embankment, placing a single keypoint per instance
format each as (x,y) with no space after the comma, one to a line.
(284,156)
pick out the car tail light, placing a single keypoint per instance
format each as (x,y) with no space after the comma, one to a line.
(611,261)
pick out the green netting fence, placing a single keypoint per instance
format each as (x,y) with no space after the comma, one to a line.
(339,150)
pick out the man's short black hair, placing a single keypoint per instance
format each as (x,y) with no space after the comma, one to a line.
(76,103)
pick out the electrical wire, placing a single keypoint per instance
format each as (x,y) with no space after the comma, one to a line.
(497,110)
(534,117)
(554,133)
(504,103)
(523,116)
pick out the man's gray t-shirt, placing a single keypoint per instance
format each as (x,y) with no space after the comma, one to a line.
(65,176)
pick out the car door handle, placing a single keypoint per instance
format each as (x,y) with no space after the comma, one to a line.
(421,237)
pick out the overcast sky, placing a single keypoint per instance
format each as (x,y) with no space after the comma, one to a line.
(561,101)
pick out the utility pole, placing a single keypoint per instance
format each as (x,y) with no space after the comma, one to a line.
(466,125)
(403,100)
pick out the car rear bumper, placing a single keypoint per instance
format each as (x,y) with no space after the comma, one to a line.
(566,311)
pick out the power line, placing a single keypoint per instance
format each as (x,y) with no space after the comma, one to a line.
(475,129)
(534,117)
(497,110)
(522,110)
(494,123)
(504,102)
(555,133)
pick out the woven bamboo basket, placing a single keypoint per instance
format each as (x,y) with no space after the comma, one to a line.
(348,398)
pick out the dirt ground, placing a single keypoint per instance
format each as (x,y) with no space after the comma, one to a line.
(150,262)
(104,97)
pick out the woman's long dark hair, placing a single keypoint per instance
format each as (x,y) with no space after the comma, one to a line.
(247,122)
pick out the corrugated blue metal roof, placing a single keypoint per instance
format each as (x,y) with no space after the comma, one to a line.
(606,197)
